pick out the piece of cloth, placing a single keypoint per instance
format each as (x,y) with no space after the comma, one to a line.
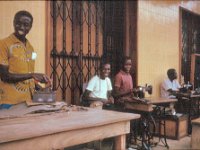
(5,106)
(18,57)
(22,109)
(166,85)
(99,87)
(124,81)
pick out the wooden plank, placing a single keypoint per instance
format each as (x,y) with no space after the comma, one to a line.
(195,139)
(147,107)
(160,100)
(196,121)
(73,137)
(189,95)
(139,106)
(30,127)
(183,128)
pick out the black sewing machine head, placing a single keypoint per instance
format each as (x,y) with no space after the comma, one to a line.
(140,91)
(186,88)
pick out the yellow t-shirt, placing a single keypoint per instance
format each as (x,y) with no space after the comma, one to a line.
(18,57)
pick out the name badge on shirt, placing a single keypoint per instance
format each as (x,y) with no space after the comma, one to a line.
(34,55)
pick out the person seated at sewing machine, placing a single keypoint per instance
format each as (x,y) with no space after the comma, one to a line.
(98,95)
(99,88)
(170,86)
(17,58)
(123,83)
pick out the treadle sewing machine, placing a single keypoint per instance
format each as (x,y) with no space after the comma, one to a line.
(189,103)
(145,107)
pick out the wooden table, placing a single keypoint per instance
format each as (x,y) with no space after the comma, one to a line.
(59,130)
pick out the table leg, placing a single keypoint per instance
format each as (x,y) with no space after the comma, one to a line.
(198,107)
(161,116)
(164,124)
(120,142)
(189,118)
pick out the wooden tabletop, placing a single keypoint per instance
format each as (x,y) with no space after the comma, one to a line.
(188,95)
(159,100)
(34,126)
(148,105)
(196,121)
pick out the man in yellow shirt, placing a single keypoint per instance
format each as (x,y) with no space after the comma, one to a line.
(17,60)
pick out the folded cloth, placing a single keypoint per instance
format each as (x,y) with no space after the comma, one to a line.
(22,109)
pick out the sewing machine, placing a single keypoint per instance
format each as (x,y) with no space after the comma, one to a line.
(140,91)
(186,88)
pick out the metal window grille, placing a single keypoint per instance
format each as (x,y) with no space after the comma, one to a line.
(83,33)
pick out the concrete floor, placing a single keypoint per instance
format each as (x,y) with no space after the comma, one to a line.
(182,144)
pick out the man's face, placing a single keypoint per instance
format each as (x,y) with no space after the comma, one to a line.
(173,75)
(22,26)
(105,70)
(127,65)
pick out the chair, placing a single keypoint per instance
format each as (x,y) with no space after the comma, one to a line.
(82,102)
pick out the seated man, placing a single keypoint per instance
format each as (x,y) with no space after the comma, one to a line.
(98,95)
(123,90)
(98,91)
(123,85)
(170,86)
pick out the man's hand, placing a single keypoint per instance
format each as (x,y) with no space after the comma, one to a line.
(109,101)
(42,78)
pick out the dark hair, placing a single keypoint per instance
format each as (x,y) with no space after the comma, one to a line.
(125,58)
(103,63)
(171,71)
(23,13)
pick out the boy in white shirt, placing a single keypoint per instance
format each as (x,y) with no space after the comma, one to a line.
(98,91)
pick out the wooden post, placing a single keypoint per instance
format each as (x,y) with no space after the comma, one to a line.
(120,142)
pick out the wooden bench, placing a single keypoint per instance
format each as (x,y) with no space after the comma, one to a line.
(195,141)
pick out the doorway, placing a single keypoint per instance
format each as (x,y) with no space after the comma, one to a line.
(190,47)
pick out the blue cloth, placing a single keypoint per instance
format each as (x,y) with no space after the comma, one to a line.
(5,106)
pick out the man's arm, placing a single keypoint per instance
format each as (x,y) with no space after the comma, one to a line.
(173,92)
(118,93)
(90,99)
(87,97)
(110,98)
(8,77)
